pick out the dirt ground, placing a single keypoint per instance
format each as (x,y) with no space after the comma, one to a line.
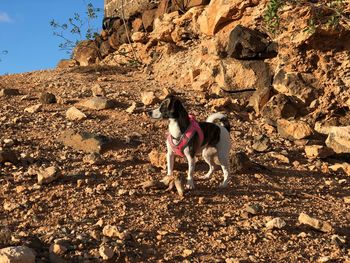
(207,225)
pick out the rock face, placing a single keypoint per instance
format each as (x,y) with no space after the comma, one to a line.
(84,141)
(294,130)
(279,106)
(245,43)
(220,12)
(19,254)
(86,53)
(339,139)
(130,9)
(302,86)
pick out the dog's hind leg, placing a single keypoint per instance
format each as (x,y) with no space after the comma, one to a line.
(191,166)
(170,157)
(208,156)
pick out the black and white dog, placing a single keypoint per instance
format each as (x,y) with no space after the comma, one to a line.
(212,138)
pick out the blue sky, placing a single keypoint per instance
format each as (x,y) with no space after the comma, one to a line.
(26,34)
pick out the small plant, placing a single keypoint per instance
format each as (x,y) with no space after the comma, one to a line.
(77,28)
(271,17)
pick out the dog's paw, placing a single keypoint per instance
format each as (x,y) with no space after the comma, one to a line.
(190,184)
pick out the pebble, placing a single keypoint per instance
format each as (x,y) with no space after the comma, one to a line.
(34,109)
(277,222)
(253,209)
(106,252)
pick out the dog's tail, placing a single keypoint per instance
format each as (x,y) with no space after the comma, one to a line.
(220,119)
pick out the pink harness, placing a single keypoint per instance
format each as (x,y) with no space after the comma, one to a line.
(185,138)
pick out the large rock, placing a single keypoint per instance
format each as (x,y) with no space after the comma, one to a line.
(245,43)
(232,74)
(8,156)
(106,48)
(97,103)
(8,92)
(47,175)
(220,12)
(317,151)
(86,53)
(113,8)
(293,130)
(259,98)
(148,19)
(339,139)
(279,106)
(19,254)
(300,85)
(74,114)
(84,141)
(163,27)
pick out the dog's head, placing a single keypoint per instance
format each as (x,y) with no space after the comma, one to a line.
(170,107)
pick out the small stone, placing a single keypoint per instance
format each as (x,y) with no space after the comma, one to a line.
(97,103)
(19,254)
(47,98)
(157,159)
(282,158)
(187,252)
(106,252)
(92,159)
(148,98)
(253,209)
(74,114)
(8,142)
(8,156)
(9,92)
(261,143)
(5,236)
(131,108)
(111,231)
(34,109)
(338,240)
(347,199)
(10,206)
(277,222)
(345,167)
(58,249)
(317,151)
(48,175)
(98,91)
(315,223)
(339,139)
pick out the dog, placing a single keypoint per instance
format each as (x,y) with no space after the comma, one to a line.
(212,138)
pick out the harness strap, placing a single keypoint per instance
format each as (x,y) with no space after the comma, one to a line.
(192,129)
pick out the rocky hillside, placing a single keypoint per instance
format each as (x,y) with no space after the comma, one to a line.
(82,166)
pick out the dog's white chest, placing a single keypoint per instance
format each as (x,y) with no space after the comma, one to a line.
(174,128)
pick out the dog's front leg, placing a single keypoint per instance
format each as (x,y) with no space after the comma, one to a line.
(191,166)
(170,158)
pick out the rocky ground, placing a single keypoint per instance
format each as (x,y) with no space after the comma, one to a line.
(69,205)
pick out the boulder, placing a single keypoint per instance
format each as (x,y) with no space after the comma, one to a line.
(279,106)
(339,139)
(220,12)
(86,53)
(84,141)
(300,85)
(139,37)
(163,27)
(293,130)
(19,254)
(245,43)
